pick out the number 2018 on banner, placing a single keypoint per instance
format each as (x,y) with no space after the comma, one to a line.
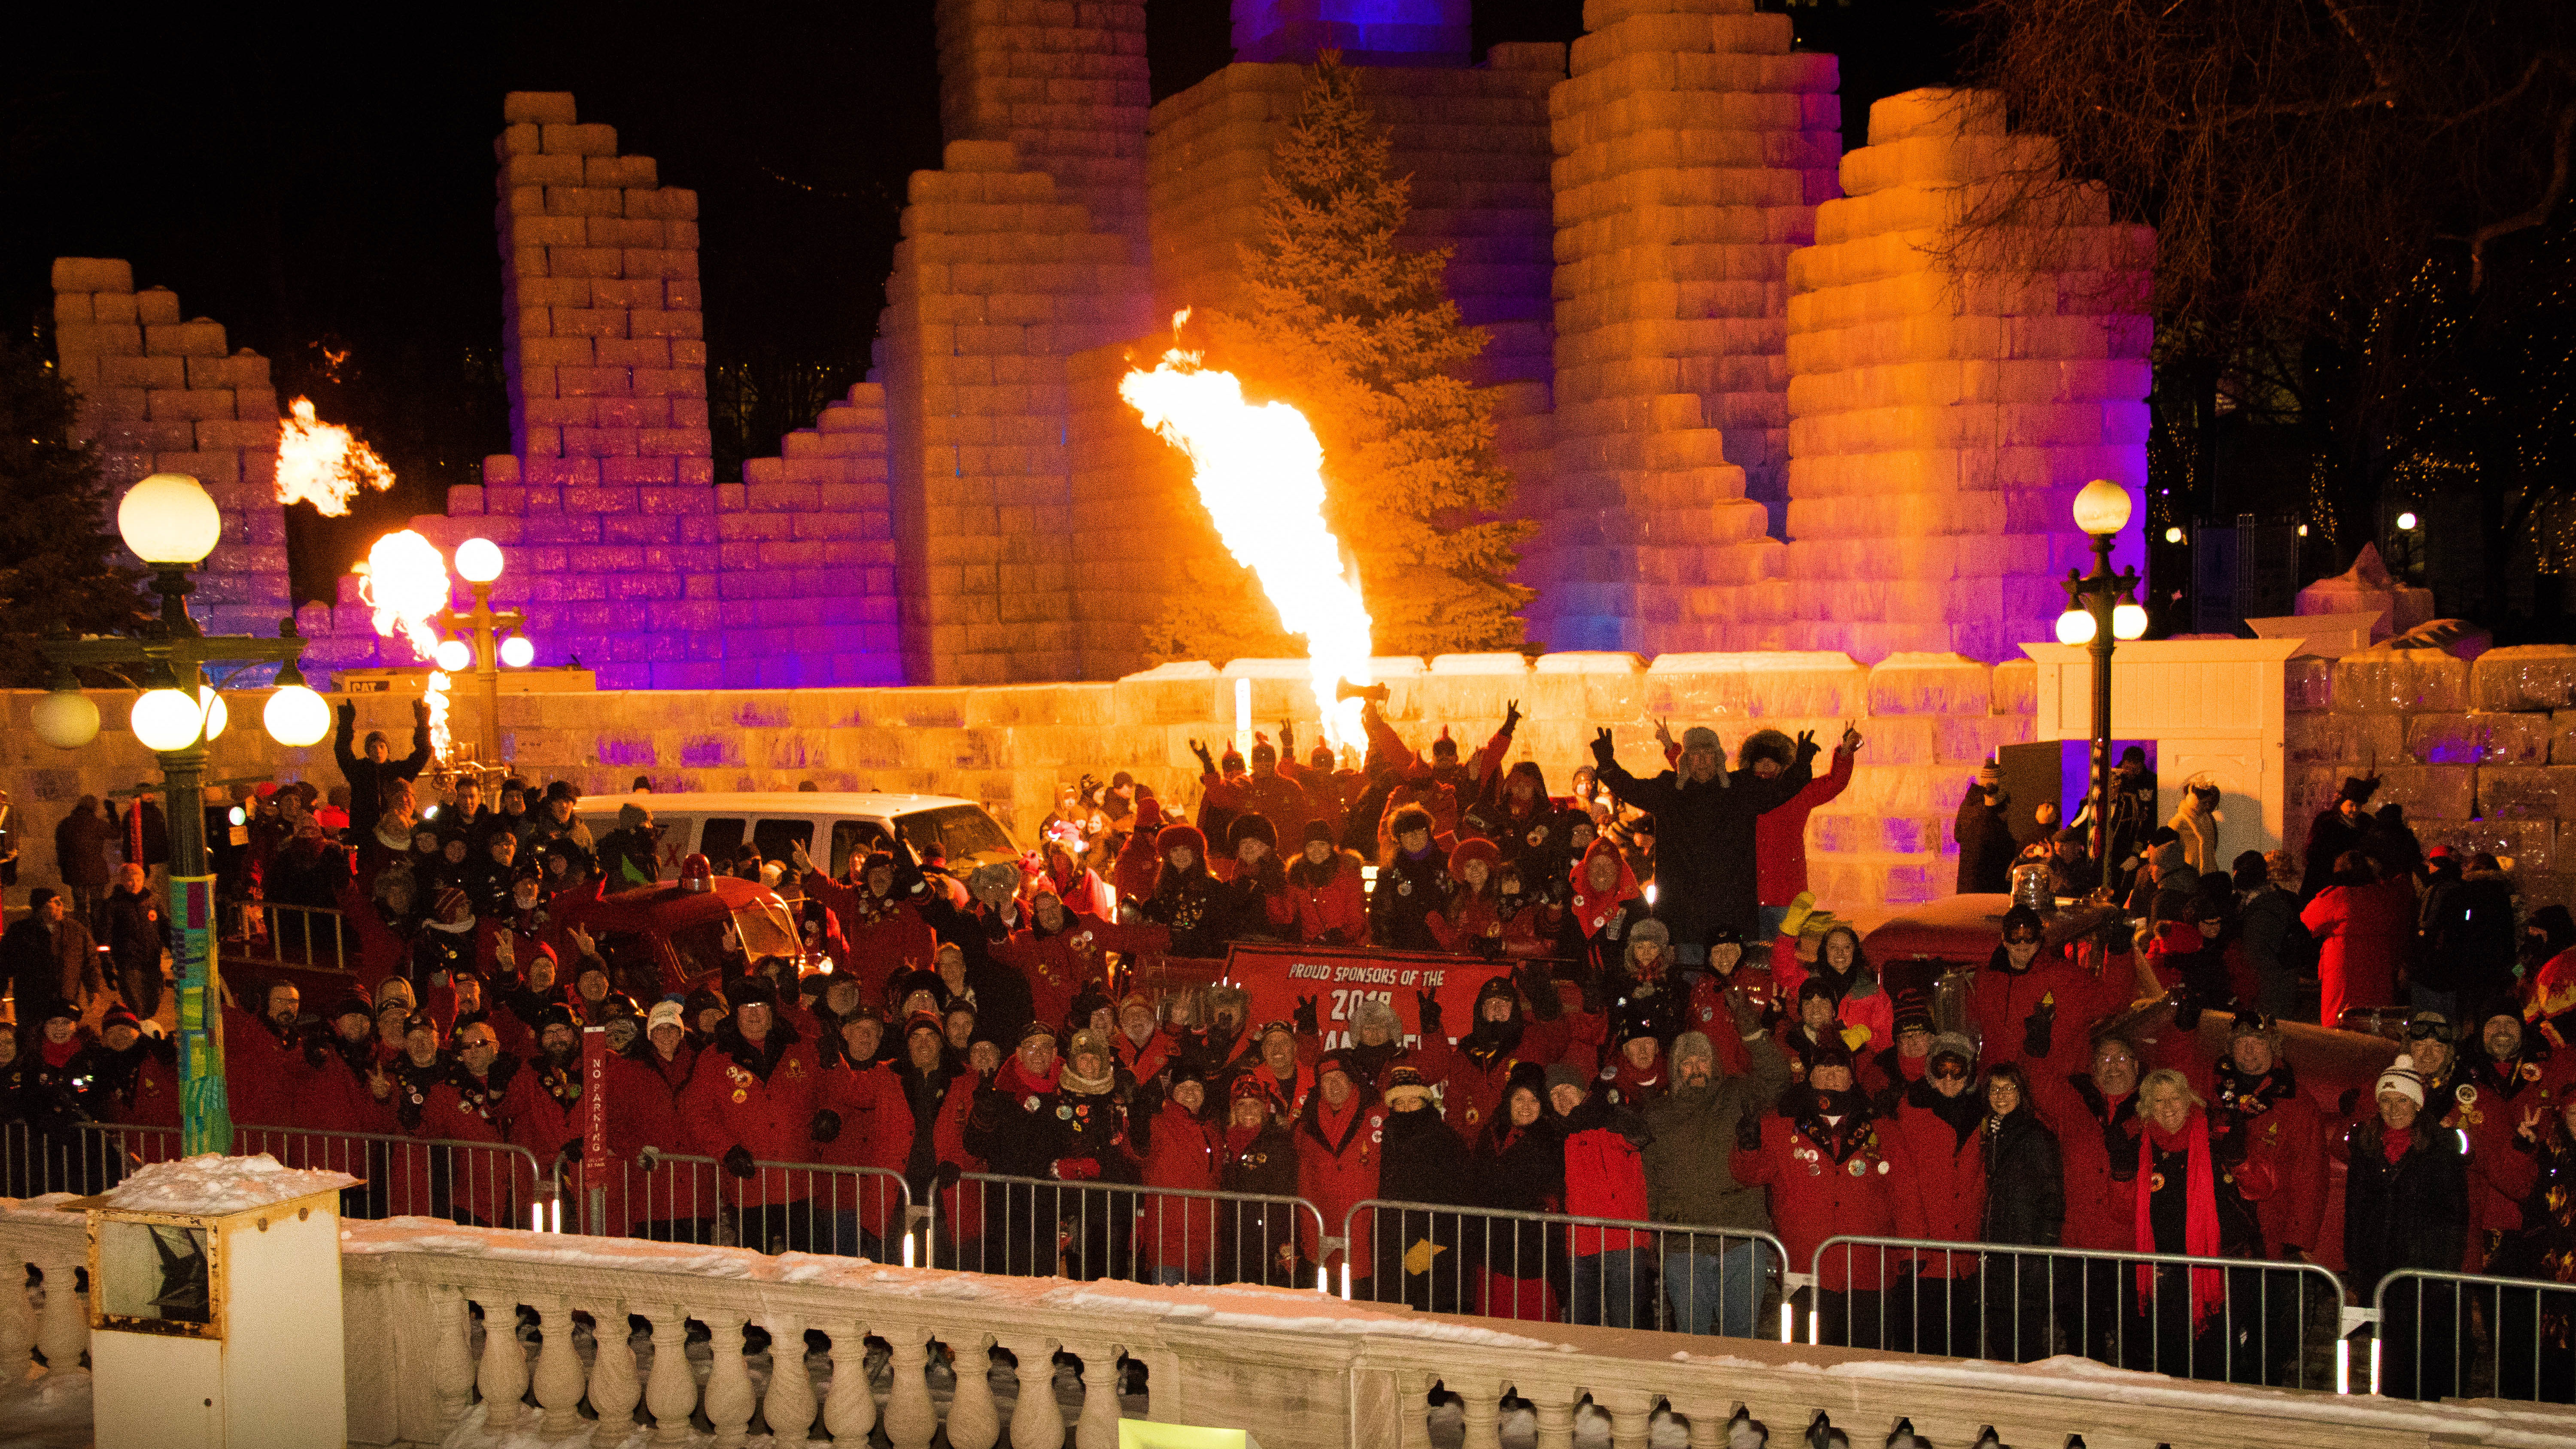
(1345,999)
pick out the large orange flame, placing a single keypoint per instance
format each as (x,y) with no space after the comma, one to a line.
(405,581)
(321,464)
(1260,473)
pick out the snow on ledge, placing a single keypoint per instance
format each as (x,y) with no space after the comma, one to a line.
(214,1184)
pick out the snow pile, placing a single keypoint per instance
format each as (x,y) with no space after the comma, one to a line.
(215,1183)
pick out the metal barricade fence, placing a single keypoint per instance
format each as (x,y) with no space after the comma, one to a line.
(76,1158)
(2257,1322)
(292,935)
(1561,1267)
(490,1183)
(799,1207)
(2465,1335)
(1040,1227)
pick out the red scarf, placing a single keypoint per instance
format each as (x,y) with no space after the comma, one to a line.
(2394,1141)
(1594,910)
(58,1054)
(1015,1079)
(1237,1139)
(2200,1211)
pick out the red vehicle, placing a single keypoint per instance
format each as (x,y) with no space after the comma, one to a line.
(657,938)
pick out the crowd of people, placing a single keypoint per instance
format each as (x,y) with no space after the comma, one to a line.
(1713,1059)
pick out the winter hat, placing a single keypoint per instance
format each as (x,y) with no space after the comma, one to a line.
(1087,1041)
(1181,834)
(1375,1013)
(1231,762)
(2358,789)
(1408,820)
(1526,1074)
(920,978)
(1989,775)
(1319,829)
(1405,1085)
(563,790)
(1828,1053)
(451,899)
(1252,825)
(1263,752)
(1032,1031)
(2253,1023)
(1444,745)
(1954,1044)
(923,1021)
(37,898)
(1278,1027)
(120,1016)
(1766,745)
(1914,1016)
(631,815)
(2023,918)
(1331,1062)
(1246,1085)
(1561,1075)
(1817,988)
(1320,757)
(1495,988)
(1651,929)
(55,1008)
(350,1003)
(1693,1045)
(665,1013)
(1226,994)
(751,989)
(2402,1078)
(1700,737)
(1630,1024)
(1474,847)
(1134,1000)
(1088,1000)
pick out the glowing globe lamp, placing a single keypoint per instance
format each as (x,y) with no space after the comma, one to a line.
(66,719)
(2075,626)
(212,706)
(2102,508)
(455,656)
(166,720)
(517,652)
(296,716)
(167,519)
(2128,621)
(478,560)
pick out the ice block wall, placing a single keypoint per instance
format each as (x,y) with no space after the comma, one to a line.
(1950,394)
(162,395)
(1691,149)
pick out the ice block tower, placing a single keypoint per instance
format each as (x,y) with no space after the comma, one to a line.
(1950,394)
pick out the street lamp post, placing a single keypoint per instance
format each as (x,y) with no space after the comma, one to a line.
(478,562)
(2099,610)
(168,522)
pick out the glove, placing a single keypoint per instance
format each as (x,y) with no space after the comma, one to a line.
(1604,752)
(737,1160)
(1595,997)
(1207,762)
(572,1150)
(648,1159)
(420,711)
(947,1174)
(1540,988)
(316,1055)
(1748,1132)
(2036,1028)
(1748,1018)
(825,1127)
(1808,749)
(348,713)
(1303,1020)
(2186,1009)
(1426,1008)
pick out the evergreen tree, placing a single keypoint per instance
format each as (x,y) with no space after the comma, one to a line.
(57,553)
(1360,336)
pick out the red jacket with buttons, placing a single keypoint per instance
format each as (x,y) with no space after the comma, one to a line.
(1827,1183)
(1181,1232)
(876,1131)
(2098,1143)
(758,1097)
(1780,834)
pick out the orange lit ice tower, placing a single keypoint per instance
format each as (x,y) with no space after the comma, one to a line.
(1260,473)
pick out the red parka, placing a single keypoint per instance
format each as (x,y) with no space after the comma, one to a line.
(1937,1178)
(1339,1152)
(1827,1181)
(760,1097)
(1179,1232)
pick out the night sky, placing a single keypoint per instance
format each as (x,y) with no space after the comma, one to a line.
(322,185)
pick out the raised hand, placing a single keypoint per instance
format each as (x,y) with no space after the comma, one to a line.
(1287,738)
(797,857)
(1604,749)
(1664,734)
(1511,714)
(1851,739)
(1426,1010)
(2532,1117)
(1807,745)
(1303,1020)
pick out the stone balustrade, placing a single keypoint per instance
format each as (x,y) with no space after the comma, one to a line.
(699,1360)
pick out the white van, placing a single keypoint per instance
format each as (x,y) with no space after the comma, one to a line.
(835,827)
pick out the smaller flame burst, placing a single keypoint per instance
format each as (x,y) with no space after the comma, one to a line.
(1260,472)
(321,464)
(405,581)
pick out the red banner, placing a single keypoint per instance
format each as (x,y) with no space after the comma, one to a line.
(1277,977)
(594,1105)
